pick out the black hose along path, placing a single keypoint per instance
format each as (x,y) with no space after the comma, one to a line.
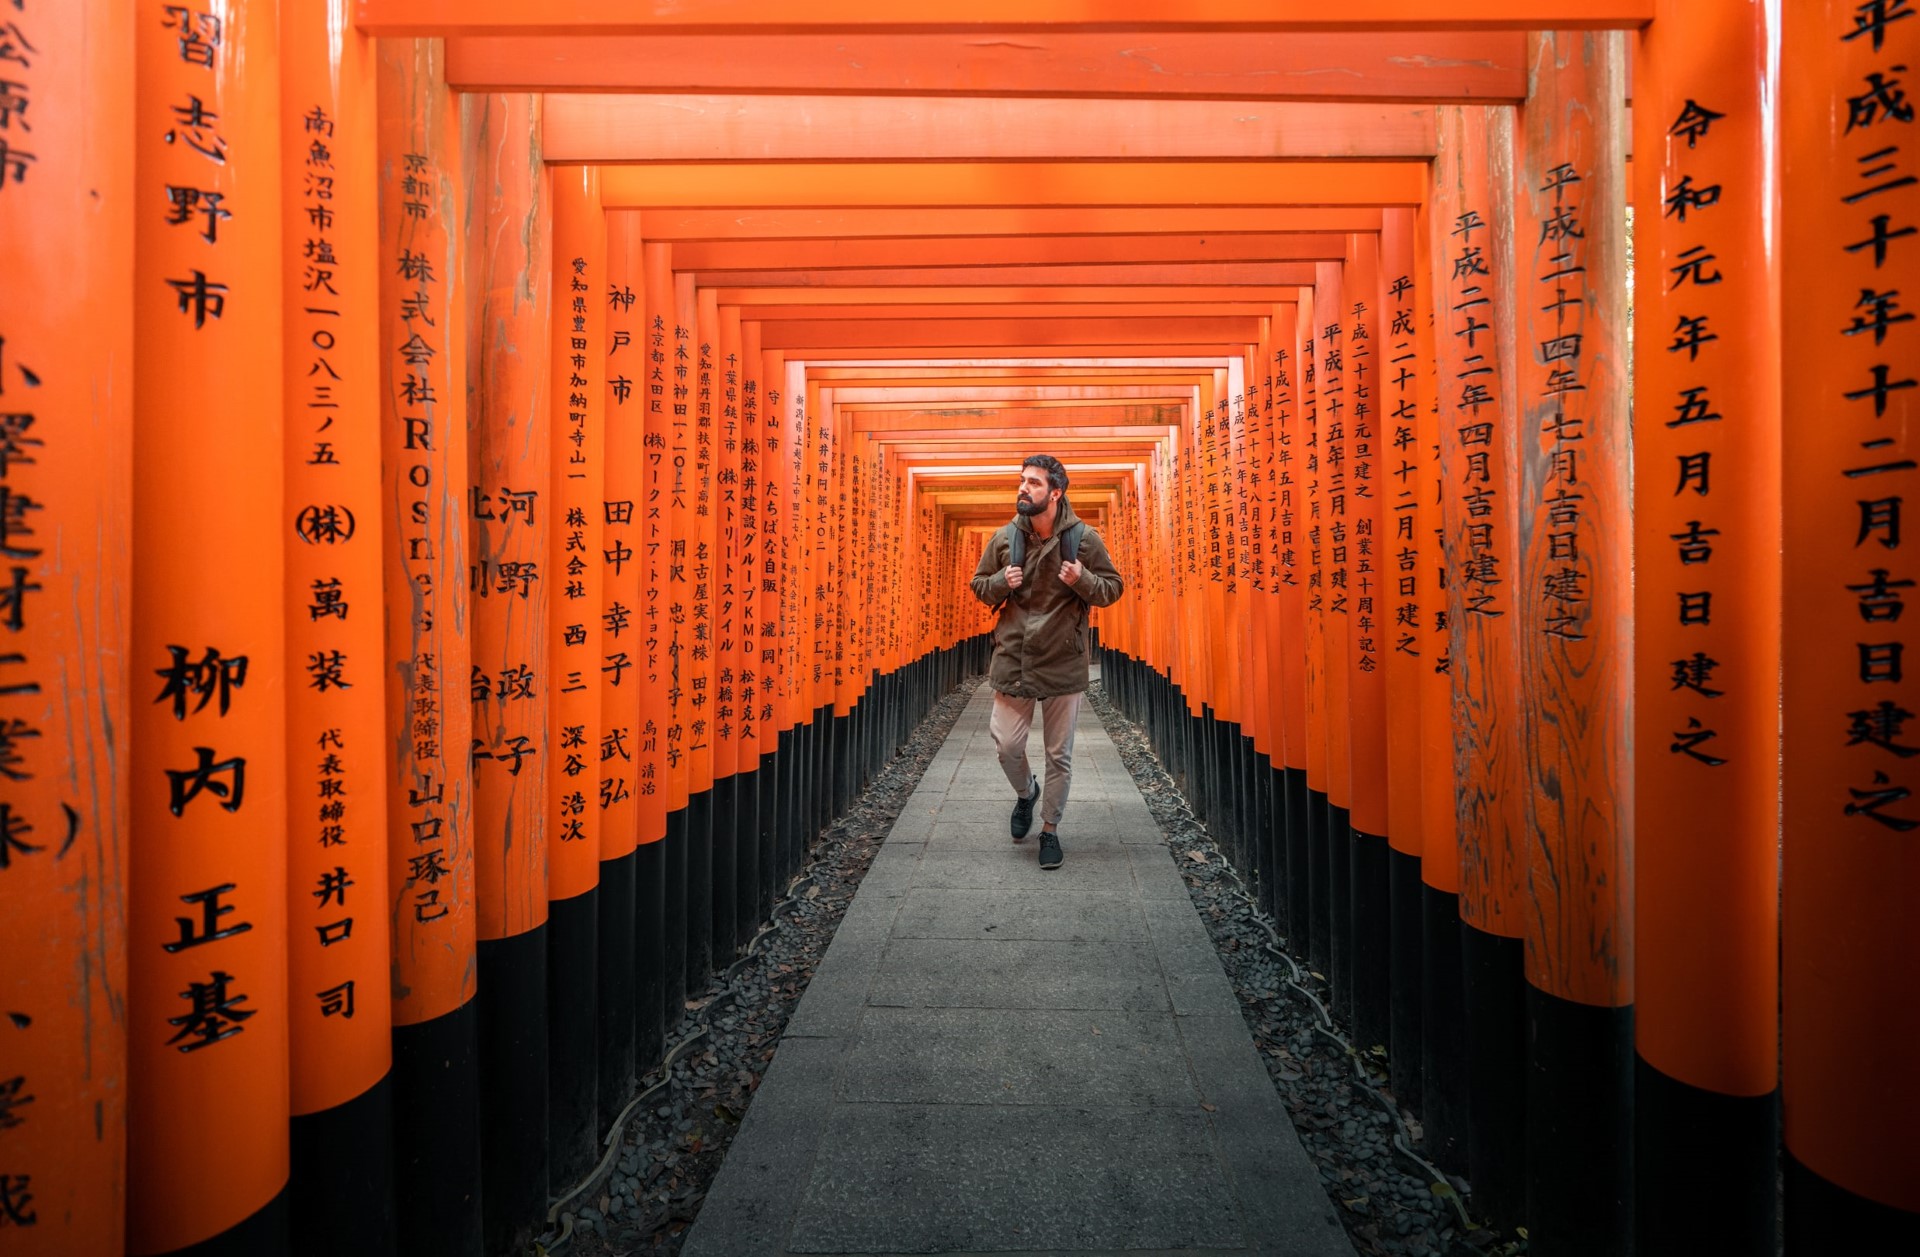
(1392,1201)
(665,1149)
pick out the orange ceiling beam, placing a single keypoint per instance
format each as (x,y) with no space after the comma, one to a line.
(819,255)
(673,225)
(1213,274)
(1436,67)
(1020,310)
(943,374)
(612,17)
(680,128)
(952,333)
(951,396)
(1351,183)
(1146,294)
(1142,349)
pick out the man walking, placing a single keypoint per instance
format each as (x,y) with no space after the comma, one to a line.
(1042,571)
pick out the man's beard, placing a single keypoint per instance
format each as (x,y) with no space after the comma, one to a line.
(1027,506)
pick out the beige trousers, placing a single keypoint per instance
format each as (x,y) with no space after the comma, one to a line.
(1012,719)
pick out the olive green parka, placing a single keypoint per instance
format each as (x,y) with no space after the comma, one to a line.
(1040,644)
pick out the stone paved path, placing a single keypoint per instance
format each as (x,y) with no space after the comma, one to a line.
(996,1059)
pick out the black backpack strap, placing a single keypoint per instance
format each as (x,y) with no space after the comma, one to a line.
(1017,547)
(1070,542)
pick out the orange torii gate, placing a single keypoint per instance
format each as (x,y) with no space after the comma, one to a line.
(1511,730)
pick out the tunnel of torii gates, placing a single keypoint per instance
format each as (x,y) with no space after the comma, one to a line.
(483,481)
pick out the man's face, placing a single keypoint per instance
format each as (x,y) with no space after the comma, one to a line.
(1036,494)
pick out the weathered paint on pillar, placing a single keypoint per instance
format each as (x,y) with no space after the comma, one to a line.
(509,377)
(1851,208)
(429,719)
(1475,249)
(341,1028)
(1575,642)
(1439,813)
(1477,408)
(510,514)
(1575,648)
(66,429)
(207,907)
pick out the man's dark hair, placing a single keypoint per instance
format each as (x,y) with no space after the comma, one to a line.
(1056,472)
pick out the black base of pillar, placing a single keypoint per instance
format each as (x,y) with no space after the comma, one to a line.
(725,886)
(1319,855)
(345,1153)
(1496,1012)
(1266,781)
(699,890)
(513,1091)
(1407,940)
(748,906)
(786,811)
(1443,1049)
(649,955)
(1579,1127)
(573,1045)
(619,988)
(1693,1146)
(1340,912)
(673,924)
(1297,893)
(436,1135)
(264,1234)
(1824,1217)
(1371,895)
(772,877)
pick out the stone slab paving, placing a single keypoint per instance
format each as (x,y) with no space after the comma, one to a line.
(996,1059)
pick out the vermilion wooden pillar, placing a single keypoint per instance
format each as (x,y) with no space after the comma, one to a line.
(1850,225)
(1336,544)
(66,438)
(1575,647)
(647,369)
(700,315)
(723,423)
(1706,871)
(1290,581)
(1474,268)
(1404,568)
(1443,1049)
(1313,555)
(340,1023)
(632,701)
(666,466)
(574,642)
(1362,301)
(207,905)
(423,420)
(618,299)
(509,216)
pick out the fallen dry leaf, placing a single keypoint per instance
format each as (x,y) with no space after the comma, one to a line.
(1198,857)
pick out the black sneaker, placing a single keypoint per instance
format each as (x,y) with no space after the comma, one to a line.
(1049,849)
(1023,810)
